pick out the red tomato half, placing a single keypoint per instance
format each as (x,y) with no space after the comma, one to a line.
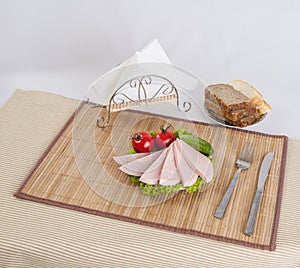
(163,138)
(142,142)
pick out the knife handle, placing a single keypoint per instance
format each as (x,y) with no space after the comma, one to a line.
(253,213)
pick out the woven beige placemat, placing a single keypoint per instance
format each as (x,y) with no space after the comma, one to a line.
(77,171)
(36,235)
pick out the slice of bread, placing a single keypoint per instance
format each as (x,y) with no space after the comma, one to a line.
(228,98)
(241,122)
(255,97)
(230,105)
(230,115)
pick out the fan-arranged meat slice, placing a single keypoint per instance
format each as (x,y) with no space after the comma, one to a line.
(196,160)
(169,173)
(124,159)
(130,171)
(152,174)
(143,163)
(187,173)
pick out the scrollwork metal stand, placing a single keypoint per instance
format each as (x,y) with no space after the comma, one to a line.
(141,84)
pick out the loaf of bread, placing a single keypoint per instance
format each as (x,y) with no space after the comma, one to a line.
(232,106)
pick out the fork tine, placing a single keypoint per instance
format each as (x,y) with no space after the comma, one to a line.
(242,152)
(251,153)
(247,152)
(246,156)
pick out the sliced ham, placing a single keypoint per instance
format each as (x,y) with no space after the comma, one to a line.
(169,173)
(179,163)
(187,174)
(196,160)
(130,171)
(143,163)
(152,174)
(124,159)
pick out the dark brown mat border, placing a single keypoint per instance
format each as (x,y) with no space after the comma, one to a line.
(270,247)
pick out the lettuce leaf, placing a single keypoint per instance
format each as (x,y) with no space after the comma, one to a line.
(153,190)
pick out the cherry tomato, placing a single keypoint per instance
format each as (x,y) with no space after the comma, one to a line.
(142,142)
(163,138)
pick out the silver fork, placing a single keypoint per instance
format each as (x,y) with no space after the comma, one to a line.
(243,162)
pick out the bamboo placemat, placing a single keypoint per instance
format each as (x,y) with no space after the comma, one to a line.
(77,172)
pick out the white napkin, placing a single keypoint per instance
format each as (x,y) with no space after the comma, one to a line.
(151,60)
(153,52)
(101,90)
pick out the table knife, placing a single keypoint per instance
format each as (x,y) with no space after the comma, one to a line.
(263,174)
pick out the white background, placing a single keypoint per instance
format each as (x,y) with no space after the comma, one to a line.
(62,46)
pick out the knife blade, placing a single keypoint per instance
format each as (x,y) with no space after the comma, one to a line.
(263,175)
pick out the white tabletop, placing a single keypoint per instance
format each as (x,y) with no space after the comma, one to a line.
(62,46)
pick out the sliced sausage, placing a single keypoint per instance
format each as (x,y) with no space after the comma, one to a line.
(143,163)
(152,174)
(198,161)
(187,174)
(124,159)
(169,174)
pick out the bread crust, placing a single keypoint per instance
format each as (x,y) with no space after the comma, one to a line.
(230,105)
(242,122)
(231,115)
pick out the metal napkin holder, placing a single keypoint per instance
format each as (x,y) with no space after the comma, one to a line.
(140,86)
